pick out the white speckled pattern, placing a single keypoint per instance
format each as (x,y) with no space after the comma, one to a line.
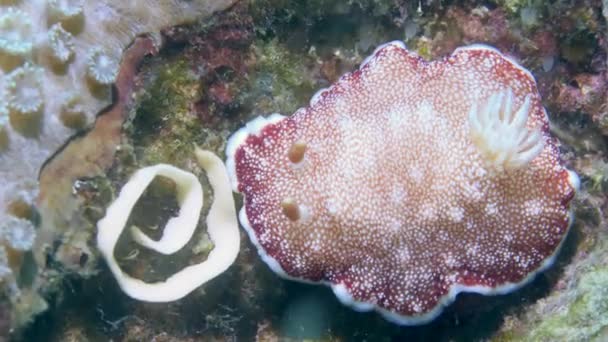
(402,211)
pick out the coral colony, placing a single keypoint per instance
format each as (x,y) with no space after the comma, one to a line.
(73,48)
(408,182)
(57,61)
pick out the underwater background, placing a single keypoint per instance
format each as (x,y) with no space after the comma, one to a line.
(90,92)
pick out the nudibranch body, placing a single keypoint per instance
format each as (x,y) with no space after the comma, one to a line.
(408,182)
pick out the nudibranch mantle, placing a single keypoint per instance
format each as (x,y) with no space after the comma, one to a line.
(407,182)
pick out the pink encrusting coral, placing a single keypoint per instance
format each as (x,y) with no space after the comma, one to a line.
(407,182)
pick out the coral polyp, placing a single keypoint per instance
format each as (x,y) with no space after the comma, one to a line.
(61,43)
(15,32)
(63,9)
(102,67)
(18,233)
(500,132)
(24,89)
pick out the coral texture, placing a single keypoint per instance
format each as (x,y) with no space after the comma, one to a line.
(56,44)
(392,188)
(57,59)
(15,234)
(82,32)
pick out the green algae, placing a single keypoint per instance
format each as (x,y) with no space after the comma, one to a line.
(584,319)
(516,6)
(281,81)
(599,178)
(576,308)
(164,128)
